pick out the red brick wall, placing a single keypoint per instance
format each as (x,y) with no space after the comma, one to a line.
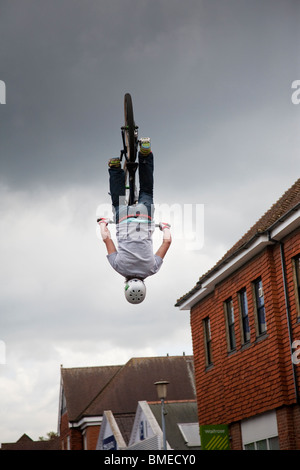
(92,434)
(256,377)
(285,423)
(76,439)
(73,435)
(64,431)
(236,437)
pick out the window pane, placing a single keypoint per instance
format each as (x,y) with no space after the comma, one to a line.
(246,329)
(249,446)
(259,293)
(208,351)
(261,445)
(261,320)
(207,338)
(244,313)
(207,329)
(230,323)
(260,306)
(274,443)
(232,337)
(297,272)
(230,314)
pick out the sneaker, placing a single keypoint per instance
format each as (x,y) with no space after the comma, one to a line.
(114,163)
(145,145)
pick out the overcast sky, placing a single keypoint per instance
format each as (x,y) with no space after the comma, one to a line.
(211,85)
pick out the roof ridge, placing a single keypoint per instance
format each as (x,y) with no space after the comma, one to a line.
(90,367)
(158,402)
(130,363)
(106,385)
(102,389)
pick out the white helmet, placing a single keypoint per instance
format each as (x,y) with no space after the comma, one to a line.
(135,291)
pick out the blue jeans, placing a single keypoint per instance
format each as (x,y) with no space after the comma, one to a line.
(117,190)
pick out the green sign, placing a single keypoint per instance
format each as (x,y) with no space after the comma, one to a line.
(214,437)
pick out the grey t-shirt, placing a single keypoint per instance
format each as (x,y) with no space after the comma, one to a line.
(135,257)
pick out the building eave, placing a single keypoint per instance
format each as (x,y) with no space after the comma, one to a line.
(86,421)
(275,233)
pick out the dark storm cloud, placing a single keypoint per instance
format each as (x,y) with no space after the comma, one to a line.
(67,65)
(189,66)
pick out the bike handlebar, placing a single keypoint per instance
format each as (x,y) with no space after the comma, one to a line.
(110,221)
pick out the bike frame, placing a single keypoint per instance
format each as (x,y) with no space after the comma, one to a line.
(129,133)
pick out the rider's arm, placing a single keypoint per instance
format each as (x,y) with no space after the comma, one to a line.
(167,240)
(106,237)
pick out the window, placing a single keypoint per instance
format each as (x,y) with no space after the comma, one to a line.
(296,268)
(229,314)
(260,432)
(259,307)
(264,444)
(243,304)
(207,341)
(63,403)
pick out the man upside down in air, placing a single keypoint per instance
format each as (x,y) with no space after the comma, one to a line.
(134,259)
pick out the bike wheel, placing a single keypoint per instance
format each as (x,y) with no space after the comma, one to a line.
(130,140)
(130,129)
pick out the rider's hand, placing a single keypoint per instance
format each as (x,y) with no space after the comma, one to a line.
(103,220)
(163,226)
(105,233)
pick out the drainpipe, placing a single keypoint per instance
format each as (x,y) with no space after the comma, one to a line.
(288,315)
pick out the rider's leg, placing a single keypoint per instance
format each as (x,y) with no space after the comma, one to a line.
(117,189)
(146,170)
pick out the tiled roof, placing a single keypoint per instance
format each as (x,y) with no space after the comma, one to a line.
(289,202)
(82,384)
(177,413)
(26,443)
(125,422)
(91,391)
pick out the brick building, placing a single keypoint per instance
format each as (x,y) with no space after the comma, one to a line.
(245,321)
(87,392)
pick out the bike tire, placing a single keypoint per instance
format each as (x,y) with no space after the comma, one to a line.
(130,139)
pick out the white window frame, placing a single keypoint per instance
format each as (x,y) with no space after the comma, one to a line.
(259,428)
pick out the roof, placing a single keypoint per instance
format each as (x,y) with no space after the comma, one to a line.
(91,391)
(26,443)
(181,424)
(82,384)
(125,422)
(177,415)
(286,204)
(110,436)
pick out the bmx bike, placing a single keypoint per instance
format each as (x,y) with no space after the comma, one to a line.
(128,156)
(130,141)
